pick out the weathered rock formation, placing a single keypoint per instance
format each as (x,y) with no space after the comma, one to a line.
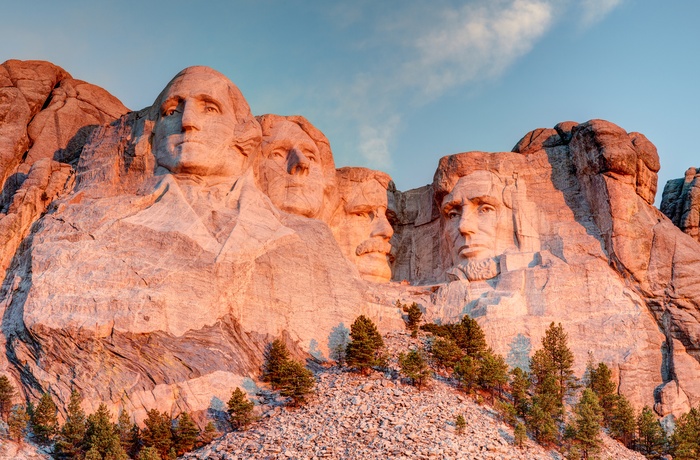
(149,263)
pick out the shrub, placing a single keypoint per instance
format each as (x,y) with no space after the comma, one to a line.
(44,422)
(7,394)
(460,424)
(276,354)
(414,367)
(297,382)
(366,345)
(240,409)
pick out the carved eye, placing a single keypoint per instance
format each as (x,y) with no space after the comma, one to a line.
(209,108)
(169,111)
(486,208)
(280,152)
(453,213)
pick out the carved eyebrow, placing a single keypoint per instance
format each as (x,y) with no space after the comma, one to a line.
(350,208)
(487,200)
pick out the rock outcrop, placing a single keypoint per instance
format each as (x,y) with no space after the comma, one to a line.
(150,259)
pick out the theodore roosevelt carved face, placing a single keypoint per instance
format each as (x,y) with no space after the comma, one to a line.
(296,169)
(361,223)
(203,126)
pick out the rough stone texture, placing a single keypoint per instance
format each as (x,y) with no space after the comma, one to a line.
(157,276)
(381,417)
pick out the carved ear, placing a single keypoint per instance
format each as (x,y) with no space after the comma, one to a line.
(249,137)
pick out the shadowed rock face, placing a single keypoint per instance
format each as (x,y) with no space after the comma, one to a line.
(149,256)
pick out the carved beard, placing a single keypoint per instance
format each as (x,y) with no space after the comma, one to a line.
(475,270)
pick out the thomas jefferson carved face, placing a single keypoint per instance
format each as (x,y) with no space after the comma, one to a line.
(197,129)
(362,227)
(291,171)
(474,221)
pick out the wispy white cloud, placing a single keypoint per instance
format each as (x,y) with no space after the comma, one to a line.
(594,11)
(475,42)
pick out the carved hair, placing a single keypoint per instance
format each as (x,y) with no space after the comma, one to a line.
(358,174)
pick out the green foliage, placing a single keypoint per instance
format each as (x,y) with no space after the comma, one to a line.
(185,434)
(101,439)
(650,435)
(414,315)
(507,412)
(157,432)
(129,433)
(70,438)
(520,434)
(467,372)
(297,382)
(275,355)
(18,423)
(493,373)
(366,345)
(460,424)
(599,379)
(552,369)
(240,409)
(519,386)
(44,422)
(541,423)
(445,352)
(621,422)
(414,366)
(685,441)
(587,421)
(208,434)
(7,394)
(467,334)
(148,453)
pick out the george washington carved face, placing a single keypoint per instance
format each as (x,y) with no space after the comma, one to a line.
(203,126)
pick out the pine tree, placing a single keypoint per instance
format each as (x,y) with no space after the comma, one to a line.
(470,337)
(650,434)
(44,422)
(445,352)
(149,453)
(460,424)
(297,382)
(414,316)
(519,434)
(556,359)
(185,434)
(541,424)
(101,439)
(414,366)
(275,355)
(622,423)
(366,344)
(128,433)
(493,373)
(240,409)
(18,423)
(467,372)
(208,434)
(70,439)
(7,394)
(599,379)
(587,421)
(157,432)
(519,386)
(685,441)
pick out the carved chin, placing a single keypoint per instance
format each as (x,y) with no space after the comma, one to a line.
(478,270)
(374,267)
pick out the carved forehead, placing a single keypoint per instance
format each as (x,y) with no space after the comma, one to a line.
(275,127)
(479,184)
(363,187)
(200,80)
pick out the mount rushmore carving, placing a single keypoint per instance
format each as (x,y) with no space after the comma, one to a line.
(150,255)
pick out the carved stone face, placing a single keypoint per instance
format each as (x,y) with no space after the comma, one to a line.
(363,230)
(290,169)
(473,215)
(195,132)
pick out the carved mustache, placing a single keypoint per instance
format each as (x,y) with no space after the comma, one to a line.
(373,245)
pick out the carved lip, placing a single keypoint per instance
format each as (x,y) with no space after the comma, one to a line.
(471,249)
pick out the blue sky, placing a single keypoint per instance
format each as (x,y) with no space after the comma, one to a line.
(395,85)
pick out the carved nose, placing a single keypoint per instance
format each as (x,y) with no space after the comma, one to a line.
(298,163)
(381,227)
(190,118)
(468,224)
